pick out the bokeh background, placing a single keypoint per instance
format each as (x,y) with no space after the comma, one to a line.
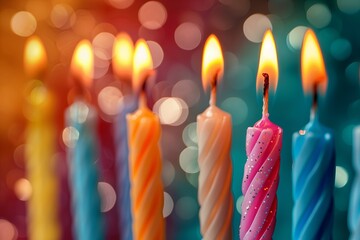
(176,31)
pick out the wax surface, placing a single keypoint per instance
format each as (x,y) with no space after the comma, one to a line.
(214,194)
(261,179)
(313,182)
(40,148)
(354,205)
(147,194)
(84,173)
(122,160)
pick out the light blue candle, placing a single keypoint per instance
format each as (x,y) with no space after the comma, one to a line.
(313,182)
(122,158)
(81,119)
(313,155)
(354,205)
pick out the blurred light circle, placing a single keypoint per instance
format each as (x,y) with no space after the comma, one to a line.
(295,37)
(168,205)
(188,160)
(193,179)
(341,49)
(186,208)
(238,203)
(186,90)
(157,53)
(70,135)
(237,108)
(62,16)
(171,111)
(7,230)
(152,15)
(23,24)
(341,177)
(121,4)
(84,24)
(189,135)
(187,36)
(352,72)
(108,196)
(23,189)
(319,15)
(101,67)
(109,100)
(348,6)
(168,173)
(102,44)
(255,26)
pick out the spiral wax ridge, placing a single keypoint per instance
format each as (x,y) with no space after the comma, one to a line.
(260,182)
(214,194)
(313,182)
(145,176)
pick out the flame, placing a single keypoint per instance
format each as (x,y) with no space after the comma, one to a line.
(312,64)
(142,64)
(35,59)
(268,62)
(122,61)
(82,63)
(212,62)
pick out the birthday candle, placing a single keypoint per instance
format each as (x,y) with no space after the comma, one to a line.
(314,156)
(354,209)
(81,119)
(40,148)
(147,195)
(214,134)
(263,146)
(122,68)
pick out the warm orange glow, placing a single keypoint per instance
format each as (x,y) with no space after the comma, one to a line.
(268,62)
(312,64)
(35,59)
(212,62)
(82,63)
(122,61)
(142,65)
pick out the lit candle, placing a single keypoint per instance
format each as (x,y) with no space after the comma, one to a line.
(81,119)
(313,155)
(354,213)
(214,139)
(263,146)
(122,67)
(144,156)
(40,148)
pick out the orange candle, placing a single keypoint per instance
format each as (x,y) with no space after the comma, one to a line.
(147,196)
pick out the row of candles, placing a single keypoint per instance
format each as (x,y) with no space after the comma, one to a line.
(139,164)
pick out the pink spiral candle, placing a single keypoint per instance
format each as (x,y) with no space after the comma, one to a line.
(263,146)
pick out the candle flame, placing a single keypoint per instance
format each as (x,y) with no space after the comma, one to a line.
(268,62)
(212,62)
(35,59)
(122,61)
(82,64)
(312,64)
(142,64)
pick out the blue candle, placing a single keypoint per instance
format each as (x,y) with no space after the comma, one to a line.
(354,205)
(122,158)
(314,157)
(84,173)
(82,124)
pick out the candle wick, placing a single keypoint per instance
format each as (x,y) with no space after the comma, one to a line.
(265,112)
(213,90)
(142,97)
(315,102)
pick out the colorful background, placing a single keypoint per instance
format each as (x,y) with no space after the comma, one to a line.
(176,31)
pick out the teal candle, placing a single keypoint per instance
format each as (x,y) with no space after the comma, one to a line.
(88,222)
(354,205)
(313,152)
